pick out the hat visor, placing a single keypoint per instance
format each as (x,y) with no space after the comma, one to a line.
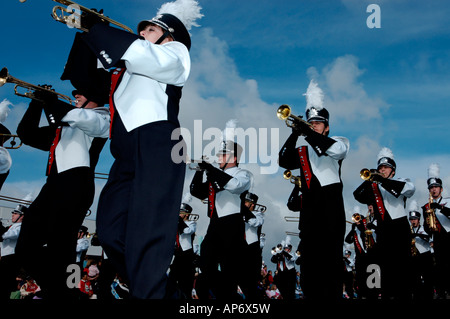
(317,119)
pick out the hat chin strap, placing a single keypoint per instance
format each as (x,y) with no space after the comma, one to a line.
(161,38)
(84,104)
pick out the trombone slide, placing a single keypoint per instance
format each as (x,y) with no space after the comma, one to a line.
(74,19)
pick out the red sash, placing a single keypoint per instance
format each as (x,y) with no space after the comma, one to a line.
(117,74)
(378,200)
(51,156)
(306,169)
(211,200)
(357,244)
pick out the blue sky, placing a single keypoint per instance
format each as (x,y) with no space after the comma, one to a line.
(385,86)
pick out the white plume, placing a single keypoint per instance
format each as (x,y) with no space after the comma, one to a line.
(29,197)
(287,241)
(187,197)
(413,206)
(314,96)
(4,110)
(385,152)
(228,134)
(5,160)
(186,10)
(357,210)
(433,170)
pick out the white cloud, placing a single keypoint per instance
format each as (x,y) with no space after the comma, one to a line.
(345,95)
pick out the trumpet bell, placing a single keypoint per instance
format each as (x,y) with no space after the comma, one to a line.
(283,112)
(287,174)
(367,174)
(356,218)
(293,179)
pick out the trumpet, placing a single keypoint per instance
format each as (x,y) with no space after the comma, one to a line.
(293,179)
(367,174)
(12,143)
(191,216)
(431,215)
(284,113)
(5,77)
(74,18)
(193,164)
(356,218)
(259,208)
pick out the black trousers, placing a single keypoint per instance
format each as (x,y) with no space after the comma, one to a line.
(182,271)
(138,209)
(53,219)
(394,246)
(322,230)
(251,270)
(441,246)
(9,269)
(222,247)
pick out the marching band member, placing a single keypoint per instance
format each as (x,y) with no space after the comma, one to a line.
(74,138)
(319,162)
(182,269)
(138,208)
(422,259)
(225,236)
(361,237)
(5,157)
(441,232)
(349,265)
(9,266)
(252,251)
(388,197)
(285,259)
(82,245)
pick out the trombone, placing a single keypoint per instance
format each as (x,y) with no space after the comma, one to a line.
(292,178)
(5,77)
(74,18)
(101,175)
(12,143)
(284,113)
(291,219)
(15,200)
(290,233)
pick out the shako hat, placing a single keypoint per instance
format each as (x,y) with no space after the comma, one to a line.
(176,19)
(433,176)
(414,210)
(228,144)
(20,209)
(185,207)
(386,157)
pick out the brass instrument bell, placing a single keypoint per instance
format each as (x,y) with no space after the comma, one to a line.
(284,113)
